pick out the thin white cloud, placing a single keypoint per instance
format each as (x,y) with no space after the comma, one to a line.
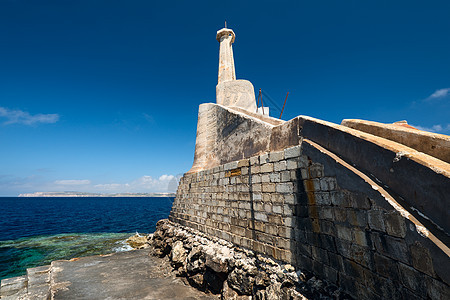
(25,118)
(438,128)
(11,185)
(165,183)
(166,177)
(439,94)
(73,182)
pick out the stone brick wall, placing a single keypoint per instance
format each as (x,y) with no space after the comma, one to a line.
(304,207)
(253,209)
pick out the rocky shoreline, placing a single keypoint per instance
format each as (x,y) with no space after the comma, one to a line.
(218,267)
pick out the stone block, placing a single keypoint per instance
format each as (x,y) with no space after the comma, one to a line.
(237,230)
(264,238)
(271,229)
(264,158)
(289,221)
(344,248)
(256,187)
(340,214)
(260,226)
(268,207)
(275,177)
(392,247)
(362,256)
(286,187)
(256,179)
(290,198)
(316,171)
(328,184)
(266,168)
(395,224)
(328,227)
(325,213)
(275,219)
(288,210)
(244,170)
(277,209)
(303,161)
(254,160)
(285,176)
(258,246)
(256,169)
(330,274)
(360,201)
(320,255)
(421,259)
(292,152)
(323,198)
(243,163)
(285,232)
(436,289)
(276,156)
(276,198)
(353,269)
(304,262)
(344,232)
(283,243)
(311,185)
(268,187)
(376,220)
(244,205)
(359,237)
(265,178)
(230,166)
(294,174)
(261,216)
(384,288)
(318,268)
(267,197)
(357,217)
(292,164)
(348,284)
(412,279)
(335,261)
(257,196)
(304,174)
(386,267)
(279,166)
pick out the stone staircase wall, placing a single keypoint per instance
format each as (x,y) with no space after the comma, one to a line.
(306,206)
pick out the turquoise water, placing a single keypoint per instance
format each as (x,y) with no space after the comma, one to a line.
(36,231)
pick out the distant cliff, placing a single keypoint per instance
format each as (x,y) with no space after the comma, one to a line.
(81,194)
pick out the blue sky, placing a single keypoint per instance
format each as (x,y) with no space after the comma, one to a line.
(102,96)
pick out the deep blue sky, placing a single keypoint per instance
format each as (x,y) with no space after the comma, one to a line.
(103,95)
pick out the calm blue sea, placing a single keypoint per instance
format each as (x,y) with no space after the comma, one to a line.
(35,231)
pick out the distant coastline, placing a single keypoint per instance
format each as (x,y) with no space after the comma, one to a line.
(82,194)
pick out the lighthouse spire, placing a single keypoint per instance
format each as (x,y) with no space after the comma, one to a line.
(226,38)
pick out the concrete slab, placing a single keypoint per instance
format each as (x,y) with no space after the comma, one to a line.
(124,275)
(13,288)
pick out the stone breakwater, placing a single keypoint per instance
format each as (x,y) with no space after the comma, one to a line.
(216,266)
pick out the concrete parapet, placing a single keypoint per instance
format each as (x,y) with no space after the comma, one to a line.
(434,144)
(419,180)
(225,135)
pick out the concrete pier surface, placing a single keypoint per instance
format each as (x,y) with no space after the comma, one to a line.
(124,275)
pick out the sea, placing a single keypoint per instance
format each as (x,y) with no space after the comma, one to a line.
(35,231)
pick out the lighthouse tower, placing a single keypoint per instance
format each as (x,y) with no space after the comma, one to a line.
(229,91)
